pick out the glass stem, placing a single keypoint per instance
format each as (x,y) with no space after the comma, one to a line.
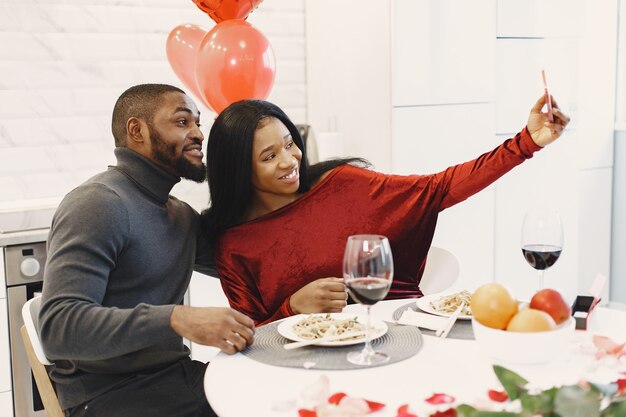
(367,350)
(541,272)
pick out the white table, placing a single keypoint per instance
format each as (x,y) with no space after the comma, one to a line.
(238,386)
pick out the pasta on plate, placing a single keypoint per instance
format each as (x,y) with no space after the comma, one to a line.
(449,303)
(316,326)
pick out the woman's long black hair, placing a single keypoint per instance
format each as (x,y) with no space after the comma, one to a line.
(229,162)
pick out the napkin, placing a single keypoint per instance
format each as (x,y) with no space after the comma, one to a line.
(423,320)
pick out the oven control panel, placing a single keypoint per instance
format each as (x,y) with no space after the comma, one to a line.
(24,263)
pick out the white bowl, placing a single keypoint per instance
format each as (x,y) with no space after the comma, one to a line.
(524,347)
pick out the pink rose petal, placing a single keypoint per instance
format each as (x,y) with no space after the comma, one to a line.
(440,398)
(403,411)
(608,346)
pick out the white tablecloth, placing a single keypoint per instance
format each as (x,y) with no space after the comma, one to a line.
(237,386)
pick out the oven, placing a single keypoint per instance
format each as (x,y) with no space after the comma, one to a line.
(23,236)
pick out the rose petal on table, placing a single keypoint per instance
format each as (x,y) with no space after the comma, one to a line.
(403,411)
(450,412)
(440,398)
(497,396)
(303,412)
(607,345)
(621,385)
(336,397)
(374,406)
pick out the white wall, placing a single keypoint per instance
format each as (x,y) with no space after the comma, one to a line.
(63,64)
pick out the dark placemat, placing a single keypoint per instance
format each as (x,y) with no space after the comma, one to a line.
(462,329)
(400,342)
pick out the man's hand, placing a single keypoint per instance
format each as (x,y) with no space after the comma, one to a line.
(539,126)
(221,327)
(324,295)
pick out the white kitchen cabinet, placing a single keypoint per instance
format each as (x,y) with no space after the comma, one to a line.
(539,18)
(349,76)
(422,146)
(431,149)
(420,101)
(5,363)
(439,55)
(451,63)
(595,226)
(547,180)
(6,404)
(518,78)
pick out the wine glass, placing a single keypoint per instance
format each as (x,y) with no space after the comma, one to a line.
(542,240)
(367,272)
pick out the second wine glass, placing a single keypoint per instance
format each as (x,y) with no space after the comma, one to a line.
(542,240)
(368,272)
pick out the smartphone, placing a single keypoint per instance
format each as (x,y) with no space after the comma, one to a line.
(548,98)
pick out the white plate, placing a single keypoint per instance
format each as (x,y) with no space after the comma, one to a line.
(285,328)
(424,305)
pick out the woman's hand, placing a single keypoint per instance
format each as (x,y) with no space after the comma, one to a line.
(541,129)
(324,295)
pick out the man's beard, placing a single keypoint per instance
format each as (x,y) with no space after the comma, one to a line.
(166,154)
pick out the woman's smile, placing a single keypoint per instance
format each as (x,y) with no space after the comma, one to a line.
(292,177)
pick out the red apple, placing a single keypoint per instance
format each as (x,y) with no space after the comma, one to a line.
(551,302)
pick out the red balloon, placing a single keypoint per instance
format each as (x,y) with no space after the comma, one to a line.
(235,62)
(220,10)
(182,47)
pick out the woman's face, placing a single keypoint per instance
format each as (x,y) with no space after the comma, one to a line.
(275,161)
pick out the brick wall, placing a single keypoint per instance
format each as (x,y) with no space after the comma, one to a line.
(63,63)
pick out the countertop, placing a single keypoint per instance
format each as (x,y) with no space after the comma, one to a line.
(28,236)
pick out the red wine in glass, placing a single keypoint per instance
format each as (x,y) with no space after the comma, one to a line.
(367,274)
(542,240)
(368,291)
(541,257)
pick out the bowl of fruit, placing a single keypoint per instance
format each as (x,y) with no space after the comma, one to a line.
(521,333)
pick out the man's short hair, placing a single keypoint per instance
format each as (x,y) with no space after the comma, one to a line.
(139,101)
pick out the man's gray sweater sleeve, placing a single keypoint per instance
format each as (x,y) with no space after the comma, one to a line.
(90,230)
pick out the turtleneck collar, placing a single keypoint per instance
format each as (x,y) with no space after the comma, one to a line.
(151,178)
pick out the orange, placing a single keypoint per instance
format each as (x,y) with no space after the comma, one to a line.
(493,305)
(531,320)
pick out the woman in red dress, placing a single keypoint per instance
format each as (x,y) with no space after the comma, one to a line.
(280,225)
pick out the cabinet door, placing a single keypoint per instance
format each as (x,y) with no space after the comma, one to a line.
(518,78)
(425,141)
(349,76)
(548,180)
(539,18)
(5,364)
(440,55)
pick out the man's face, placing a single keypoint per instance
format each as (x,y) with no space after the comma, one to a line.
(176,139)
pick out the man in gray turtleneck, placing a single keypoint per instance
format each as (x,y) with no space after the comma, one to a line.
(121,252)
